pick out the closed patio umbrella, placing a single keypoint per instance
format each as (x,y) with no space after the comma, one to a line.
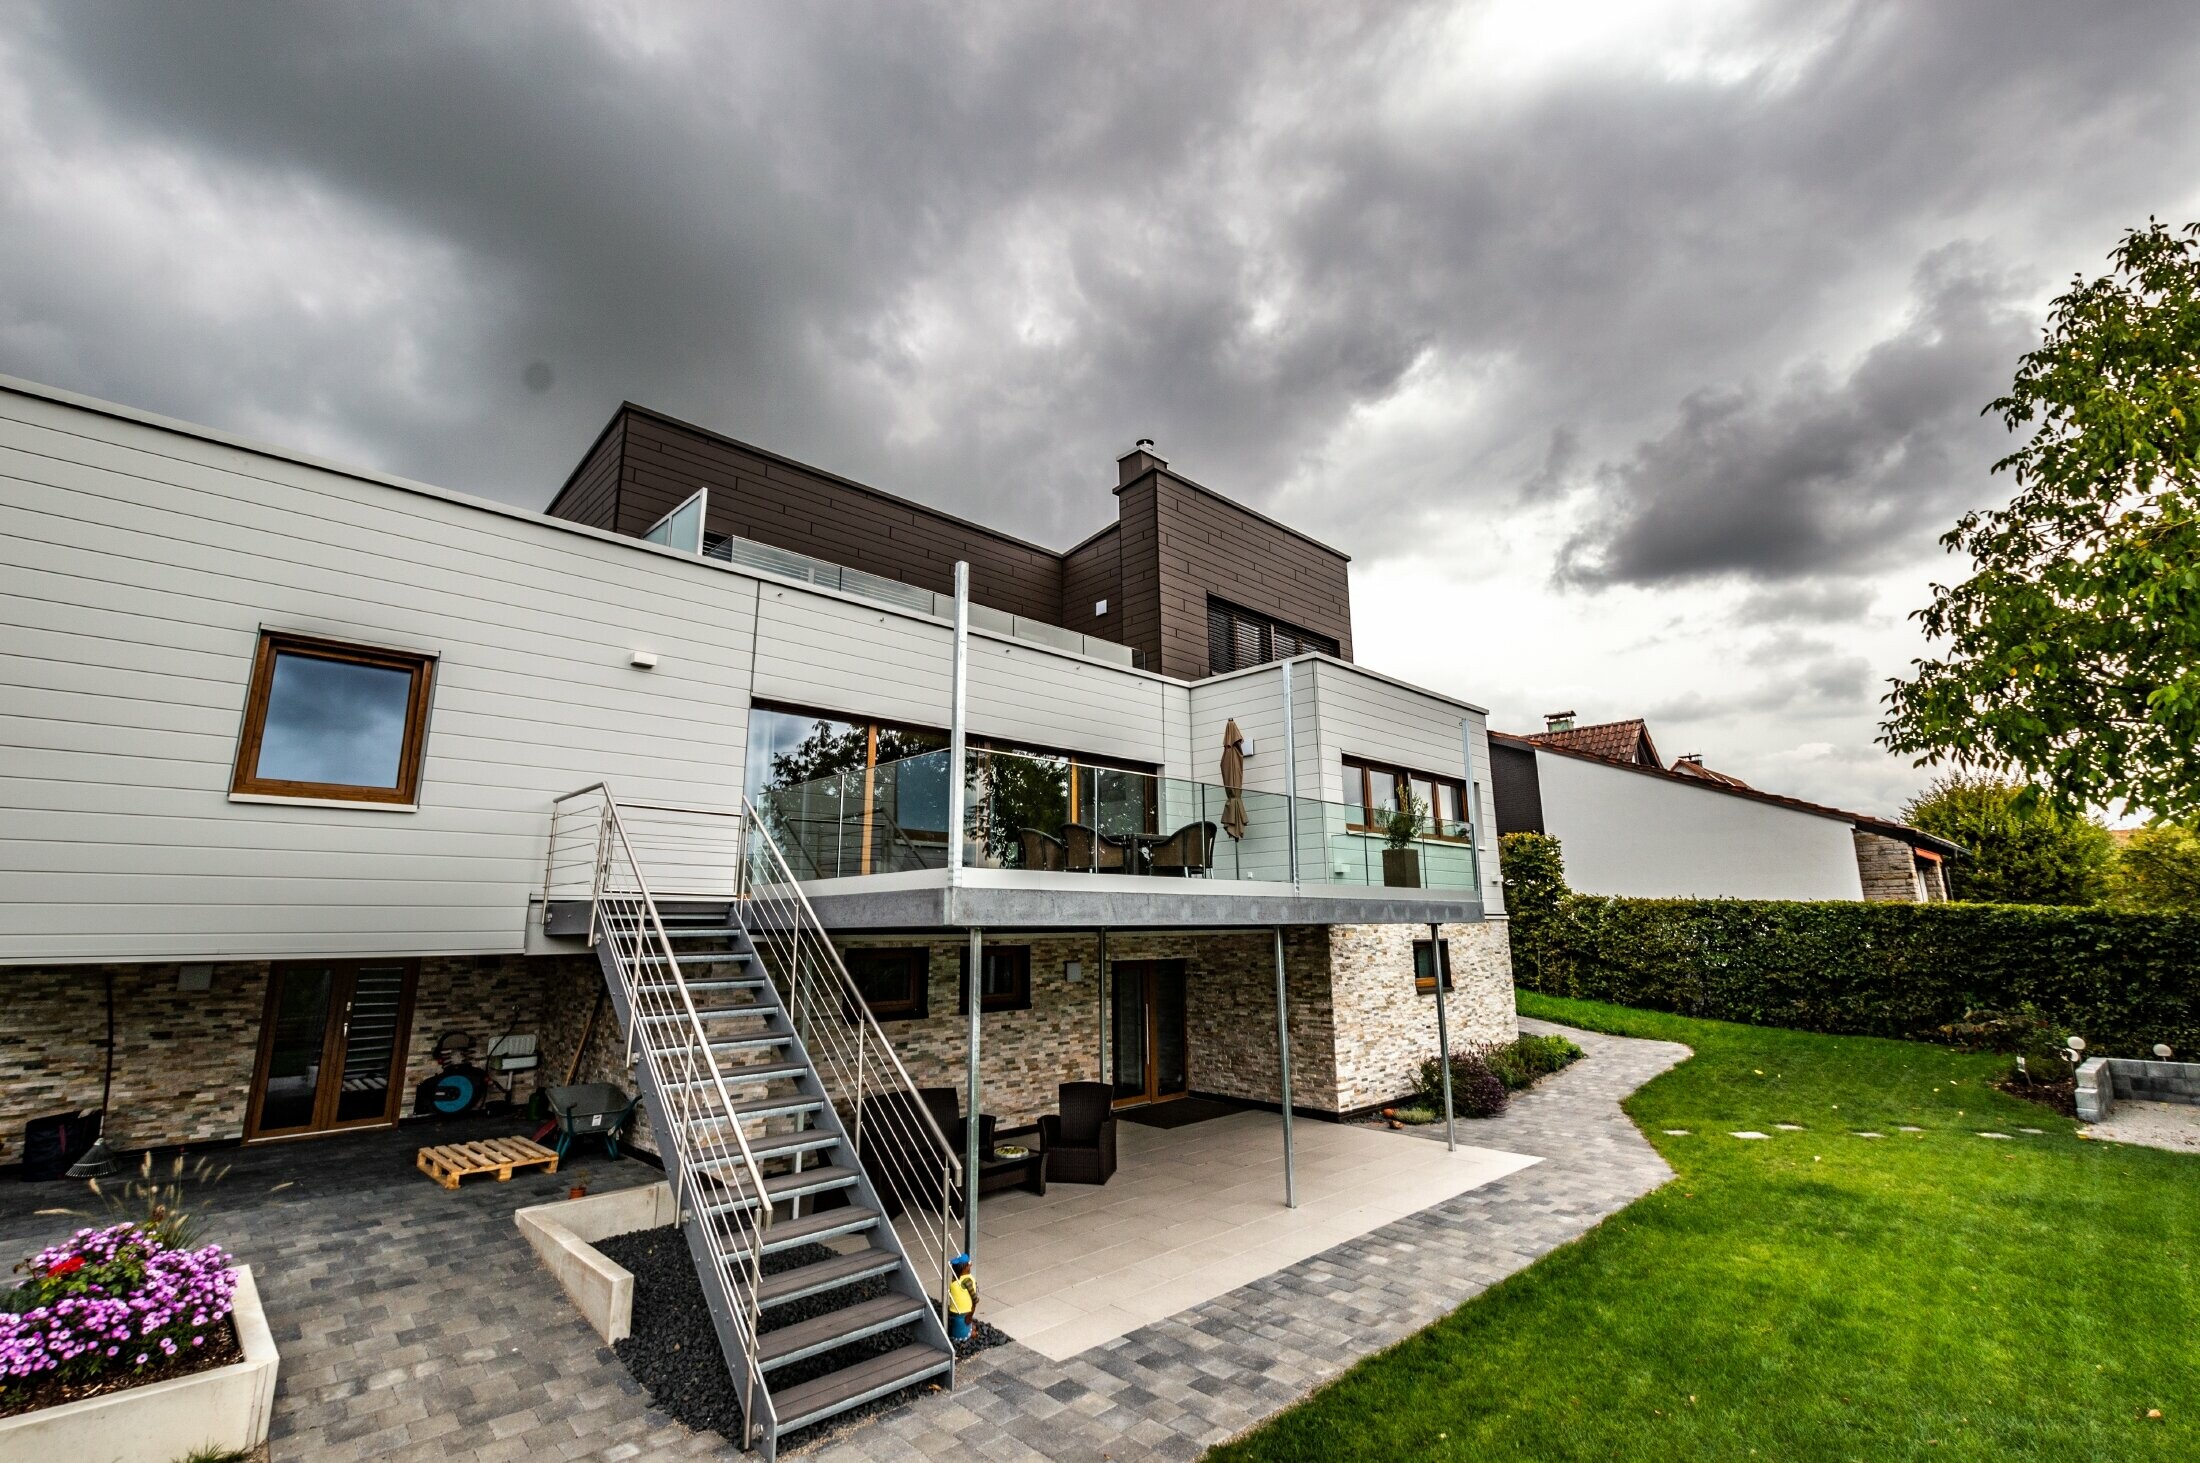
(1233,780)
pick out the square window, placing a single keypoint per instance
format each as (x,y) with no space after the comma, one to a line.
(328,720)
(1006,982)
(893,982)
(1424,966)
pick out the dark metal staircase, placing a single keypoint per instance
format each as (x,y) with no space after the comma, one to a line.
(813,1293)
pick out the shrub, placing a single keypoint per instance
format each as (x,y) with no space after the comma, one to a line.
(1904,970)
(111,1300)
(1534,870)
(1476,1091)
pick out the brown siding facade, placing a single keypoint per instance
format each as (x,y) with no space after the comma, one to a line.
(757,496)
(1206,545)
(1091,572)
(591,494)
(1173,543)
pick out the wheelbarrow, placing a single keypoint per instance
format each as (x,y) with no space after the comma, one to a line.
(591,1110)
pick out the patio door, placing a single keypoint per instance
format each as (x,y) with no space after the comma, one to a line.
(1146,1024)
(332,1047)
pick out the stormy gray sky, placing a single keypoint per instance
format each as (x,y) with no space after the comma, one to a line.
(1635,350)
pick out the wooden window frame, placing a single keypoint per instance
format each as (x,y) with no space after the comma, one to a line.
(1365,770)
(1425,985)
(917,969)
(323,1122)
(1018,999)
(244,777)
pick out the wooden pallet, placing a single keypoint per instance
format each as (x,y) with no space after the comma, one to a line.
(447,1163)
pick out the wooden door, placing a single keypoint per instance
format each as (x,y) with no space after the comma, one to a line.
(332,1047)
(1151,1057)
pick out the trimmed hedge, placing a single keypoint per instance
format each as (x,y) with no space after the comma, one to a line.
(2122,981)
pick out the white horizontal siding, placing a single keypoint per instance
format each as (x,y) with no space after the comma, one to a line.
(138,566)
(1024,694)
(1368,717)
(1643,837)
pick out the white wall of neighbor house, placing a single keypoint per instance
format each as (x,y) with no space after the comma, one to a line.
(1645,837)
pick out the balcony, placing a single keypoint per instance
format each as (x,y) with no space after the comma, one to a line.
(1049,841)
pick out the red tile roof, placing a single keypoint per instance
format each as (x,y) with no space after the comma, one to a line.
(1614,741)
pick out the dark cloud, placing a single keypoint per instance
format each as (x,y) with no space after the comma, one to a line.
(1683,292)
(1825,473)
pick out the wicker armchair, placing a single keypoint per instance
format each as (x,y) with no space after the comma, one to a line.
(1087,849)
(1079,1141)
(1190,850)
(1042,850)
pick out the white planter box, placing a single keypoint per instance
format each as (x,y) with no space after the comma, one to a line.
(227,1407)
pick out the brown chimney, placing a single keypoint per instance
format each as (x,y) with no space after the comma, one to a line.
(1137,462)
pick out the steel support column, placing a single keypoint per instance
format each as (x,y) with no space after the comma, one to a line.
(976,1097)
(1439,961)
(1283,1073)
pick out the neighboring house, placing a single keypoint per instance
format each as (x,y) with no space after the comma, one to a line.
(1632,826)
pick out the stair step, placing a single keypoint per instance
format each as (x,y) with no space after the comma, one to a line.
(821,1224)
(776,1145)
(700,957)
(713,1013)
(760,1107)
(753,1043)
(829,1274)
(836,1328)
(745,983)
(745,1076)
(781,1186)
(853,1386)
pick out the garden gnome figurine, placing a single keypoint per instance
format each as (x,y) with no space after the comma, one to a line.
(962,1301)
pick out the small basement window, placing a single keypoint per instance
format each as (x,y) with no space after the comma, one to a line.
(1007,980)
(328,720)
(1424,966)
(892,980)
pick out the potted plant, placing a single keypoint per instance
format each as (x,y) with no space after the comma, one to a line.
(577,1184)
(1401,860)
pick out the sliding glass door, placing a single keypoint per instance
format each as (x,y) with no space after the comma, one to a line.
(1146,1016)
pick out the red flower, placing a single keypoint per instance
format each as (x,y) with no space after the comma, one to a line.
(67,1267)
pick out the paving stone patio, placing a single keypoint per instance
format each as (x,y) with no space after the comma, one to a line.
(416,1324)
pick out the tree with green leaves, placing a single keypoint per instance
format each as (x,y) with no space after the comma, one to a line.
(2157,871)
(2072,653)
(2021,849)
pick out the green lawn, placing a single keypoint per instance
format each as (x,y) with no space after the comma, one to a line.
(1818,1296)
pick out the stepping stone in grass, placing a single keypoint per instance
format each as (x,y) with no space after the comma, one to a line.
(1906,1128)
(2004,1136)
(1676,1132)
(2035,1132)
(1749,1133)
(1867,1135)
(1789,1127)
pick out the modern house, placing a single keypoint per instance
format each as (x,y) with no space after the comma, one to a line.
(723,781)
(1634,826)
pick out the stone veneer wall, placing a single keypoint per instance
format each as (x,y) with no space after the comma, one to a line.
(1230,1021)
(184,1059)
(1386,1028)
(1889,869)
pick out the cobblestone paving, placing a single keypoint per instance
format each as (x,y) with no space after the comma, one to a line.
(415,1323)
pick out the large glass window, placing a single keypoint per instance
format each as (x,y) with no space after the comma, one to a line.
(328,720)
(1376,789)
(849,796)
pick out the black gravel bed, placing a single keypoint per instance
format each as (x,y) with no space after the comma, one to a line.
(673,1352)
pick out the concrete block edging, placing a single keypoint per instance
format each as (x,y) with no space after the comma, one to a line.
(226,1407)
(563,1235)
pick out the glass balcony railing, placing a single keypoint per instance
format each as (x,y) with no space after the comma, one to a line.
(1056,815)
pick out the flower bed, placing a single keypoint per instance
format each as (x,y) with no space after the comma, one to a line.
(113,1308)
